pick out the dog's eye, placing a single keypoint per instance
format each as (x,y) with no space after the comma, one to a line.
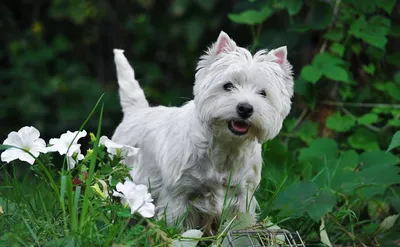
(262,93)
(228,86)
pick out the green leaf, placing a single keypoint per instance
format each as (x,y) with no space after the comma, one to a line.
(329,67)
(372,190)
(348,160)
(378,158)
(337,48)
(292,200)
(370,68)
(335,73)
(343,174)
(251,17)
(321,15)
(373,31)
(319,152)
(377,175)
(390,88)
(394,122)
(395,141)
(310,73)
(125,213)
(339,122)
(387,5)
(334,35)
(293,6)
(363,139)
(346,92)
(321,204)
(393,90)
(368,118)
(323,59)
(308,131)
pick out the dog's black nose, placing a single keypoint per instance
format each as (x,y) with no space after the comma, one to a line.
(244,110)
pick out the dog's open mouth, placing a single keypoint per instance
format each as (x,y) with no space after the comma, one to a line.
(238,127)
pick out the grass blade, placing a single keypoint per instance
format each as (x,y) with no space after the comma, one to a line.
(74,212)
(31,231)
(93,159)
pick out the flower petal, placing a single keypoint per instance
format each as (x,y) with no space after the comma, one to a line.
(13,139)
(70,162)
(39,145)
(112,147)
(27,157)
(29,133)
(80,135)
(58,145)
(141,189)
(10,155)
(147,210)
(74,149)
(120,187)
(14,154)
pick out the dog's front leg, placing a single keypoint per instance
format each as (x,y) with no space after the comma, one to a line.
(172,207)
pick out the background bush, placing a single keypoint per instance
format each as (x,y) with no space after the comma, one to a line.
(329,162)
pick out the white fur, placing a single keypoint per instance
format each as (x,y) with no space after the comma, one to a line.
(188,156)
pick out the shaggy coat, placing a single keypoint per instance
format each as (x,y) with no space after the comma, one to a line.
(204,158)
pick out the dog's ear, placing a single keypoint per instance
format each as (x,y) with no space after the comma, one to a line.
(280,54)
(223,44)
(280,57)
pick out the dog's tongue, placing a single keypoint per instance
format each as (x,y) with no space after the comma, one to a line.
(240,126)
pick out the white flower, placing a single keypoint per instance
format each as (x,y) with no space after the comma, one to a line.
(68,144)
(115,149)
(67,141)
(137,197)
(26,138)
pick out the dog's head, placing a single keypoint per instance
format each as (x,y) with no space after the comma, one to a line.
(243,95)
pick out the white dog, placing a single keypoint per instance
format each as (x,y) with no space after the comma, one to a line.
(194,155)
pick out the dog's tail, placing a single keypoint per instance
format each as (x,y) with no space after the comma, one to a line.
(130,92)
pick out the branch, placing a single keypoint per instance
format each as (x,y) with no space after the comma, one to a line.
(366,125)
(360,104)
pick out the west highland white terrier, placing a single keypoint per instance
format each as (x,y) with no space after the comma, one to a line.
(194,155)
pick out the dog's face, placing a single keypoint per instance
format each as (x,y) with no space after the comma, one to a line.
(241,95)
